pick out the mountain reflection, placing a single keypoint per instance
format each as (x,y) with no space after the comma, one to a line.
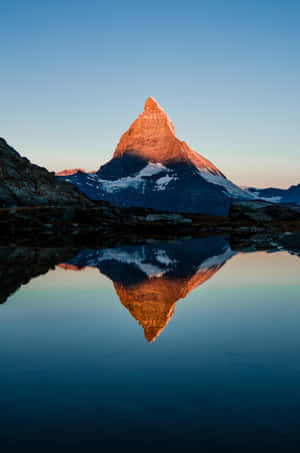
(150,279)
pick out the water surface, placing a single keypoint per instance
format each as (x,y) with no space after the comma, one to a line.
(162,346)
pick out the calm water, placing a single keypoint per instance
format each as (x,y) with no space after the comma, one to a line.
(182,345)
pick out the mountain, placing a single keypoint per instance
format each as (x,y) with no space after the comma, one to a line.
(70,172)
(152,168)
(290,195)
(152,137)
(150,279)
(25,184)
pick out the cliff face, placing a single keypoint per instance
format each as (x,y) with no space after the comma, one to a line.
(25,184)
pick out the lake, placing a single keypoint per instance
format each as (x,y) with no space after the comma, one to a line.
(180,345)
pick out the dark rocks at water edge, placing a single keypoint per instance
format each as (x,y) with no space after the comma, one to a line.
(245,217)
(262,213)
(59,221)
(25,184)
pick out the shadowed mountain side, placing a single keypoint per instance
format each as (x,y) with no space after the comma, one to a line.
(150,279)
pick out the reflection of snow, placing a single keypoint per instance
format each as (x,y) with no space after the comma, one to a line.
(163,258)
(160,265)
(231,189)
(216,260)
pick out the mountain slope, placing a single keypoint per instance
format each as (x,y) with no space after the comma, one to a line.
(290,195)
(26,184)
(152,168)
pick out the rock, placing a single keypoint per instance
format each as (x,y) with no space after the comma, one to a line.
(260,212)
(26,184)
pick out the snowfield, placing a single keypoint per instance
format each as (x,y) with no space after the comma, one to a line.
(118,185)
(231,189)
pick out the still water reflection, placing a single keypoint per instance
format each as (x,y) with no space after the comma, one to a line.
(221,372)
(150,279)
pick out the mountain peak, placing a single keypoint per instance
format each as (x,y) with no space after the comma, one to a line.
(152,137)
(151,105)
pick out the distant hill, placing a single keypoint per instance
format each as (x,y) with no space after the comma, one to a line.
(290,195)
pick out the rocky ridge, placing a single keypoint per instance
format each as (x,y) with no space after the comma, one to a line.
(25,184)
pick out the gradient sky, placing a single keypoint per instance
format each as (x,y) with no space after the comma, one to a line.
(75,74)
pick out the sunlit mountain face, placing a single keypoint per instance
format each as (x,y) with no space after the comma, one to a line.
(150,279)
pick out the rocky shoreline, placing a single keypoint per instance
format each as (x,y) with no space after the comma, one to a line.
(54,222)
(79,228)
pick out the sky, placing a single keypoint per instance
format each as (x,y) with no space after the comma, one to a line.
(75,74)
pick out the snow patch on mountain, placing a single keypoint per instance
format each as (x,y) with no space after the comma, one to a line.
(231,190)
(162,182)
(270,199)
(151,169)
(135,181)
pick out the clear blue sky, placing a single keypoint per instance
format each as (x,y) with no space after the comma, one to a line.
(75,74)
